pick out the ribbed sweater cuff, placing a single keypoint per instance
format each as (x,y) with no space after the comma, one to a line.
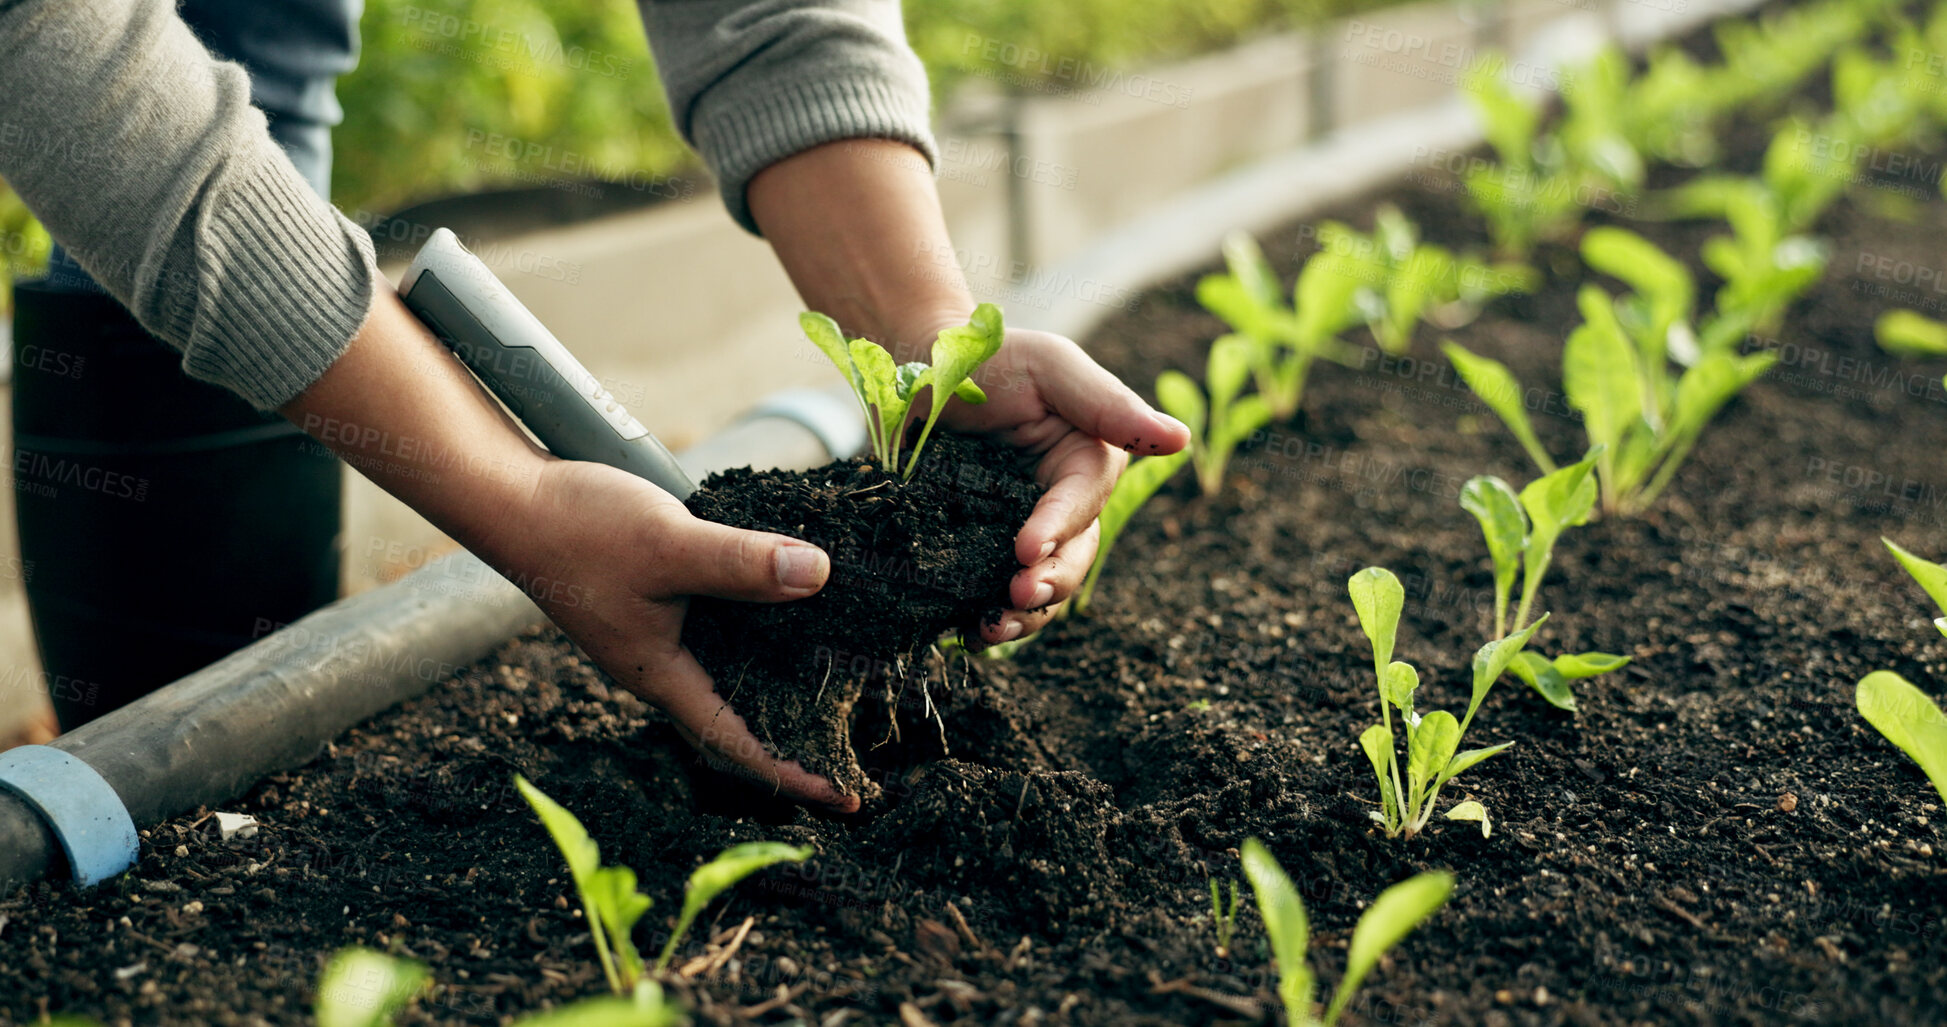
(285,285)
(744,131)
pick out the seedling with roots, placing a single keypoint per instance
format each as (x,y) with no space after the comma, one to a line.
(1432,741)
(1391,917)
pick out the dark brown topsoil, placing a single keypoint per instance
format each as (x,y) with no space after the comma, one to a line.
(1717,837)
(910,560)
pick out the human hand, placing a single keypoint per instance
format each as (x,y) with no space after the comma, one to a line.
(1049,399)
(613,559)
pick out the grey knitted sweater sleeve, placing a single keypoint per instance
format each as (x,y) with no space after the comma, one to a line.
(142,155)
(751,82)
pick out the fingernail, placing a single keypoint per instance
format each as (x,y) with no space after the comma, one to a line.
(1044,594)
(1171,420)
(801,567)
(1011,631)
(1047,548)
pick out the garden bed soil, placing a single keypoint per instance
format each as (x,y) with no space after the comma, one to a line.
(1716,838)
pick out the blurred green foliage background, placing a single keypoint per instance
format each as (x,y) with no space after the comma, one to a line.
(447,89)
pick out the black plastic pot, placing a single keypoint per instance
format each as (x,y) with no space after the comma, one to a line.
(164,523)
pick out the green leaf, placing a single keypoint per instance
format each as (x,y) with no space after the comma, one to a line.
(584,867)
(1931,576)
(957,353)
(1377,743)
(879,379)
(612,891)
(1908,719)
(1662,280)
(1231,300)
(1227,371)
(1429,747)
(1399,685)
(1505,526)
(1599,375)
(1472,810)
(722,873)
(1391,917)
(1496,386)
(583,855)
(1464,760)
(1251,271)
(646,1008)
(1547,682)
(1554,502)
(1284,920)
(1705,388)
(1577,666)
(1491,661)
(1323,300)
(363,988)
(824,333)
(1378,598)
(1181,398)
(1138,483)
(1905,333)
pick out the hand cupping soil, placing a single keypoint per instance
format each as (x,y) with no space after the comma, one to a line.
(910,560)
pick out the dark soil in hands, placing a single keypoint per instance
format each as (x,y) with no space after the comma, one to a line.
(1716,838)
(910,560)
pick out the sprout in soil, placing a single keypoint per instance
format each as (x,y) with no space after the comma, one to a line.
(1224,919)
(1225,419)
(1407,803)
(612,904)
(1908,719)
(1931,576)
(1906,333)
(1281,341)
(1391,917)
(1402,280)
(1521,532)
(364,988)
(1137,484)
(886,392)
(1616,371)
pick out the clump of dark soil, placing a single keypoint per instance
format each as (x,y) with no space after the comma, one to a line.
(910,560)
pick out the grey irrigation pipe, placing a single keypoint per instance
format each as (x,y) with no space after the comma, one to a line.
(274,705)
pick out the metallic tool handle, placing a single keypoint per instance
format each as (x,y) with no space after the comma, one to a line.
(530,370)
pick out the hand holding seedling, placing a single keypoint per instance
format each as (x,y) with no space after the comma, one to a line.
(857,225)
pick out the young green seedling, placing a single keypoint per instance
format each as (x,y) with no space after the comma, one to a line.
(1391,917)
(1931,576)
(612,904)
(1144,476)
(1641,416)
(1907,333)
(1432,741)
(364,988)
(720,875)
(1283,341)
(886,391)
(1403,280)
(1225,920)
(1521,533)
(1226,419)
(1908,719)
(609,898)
